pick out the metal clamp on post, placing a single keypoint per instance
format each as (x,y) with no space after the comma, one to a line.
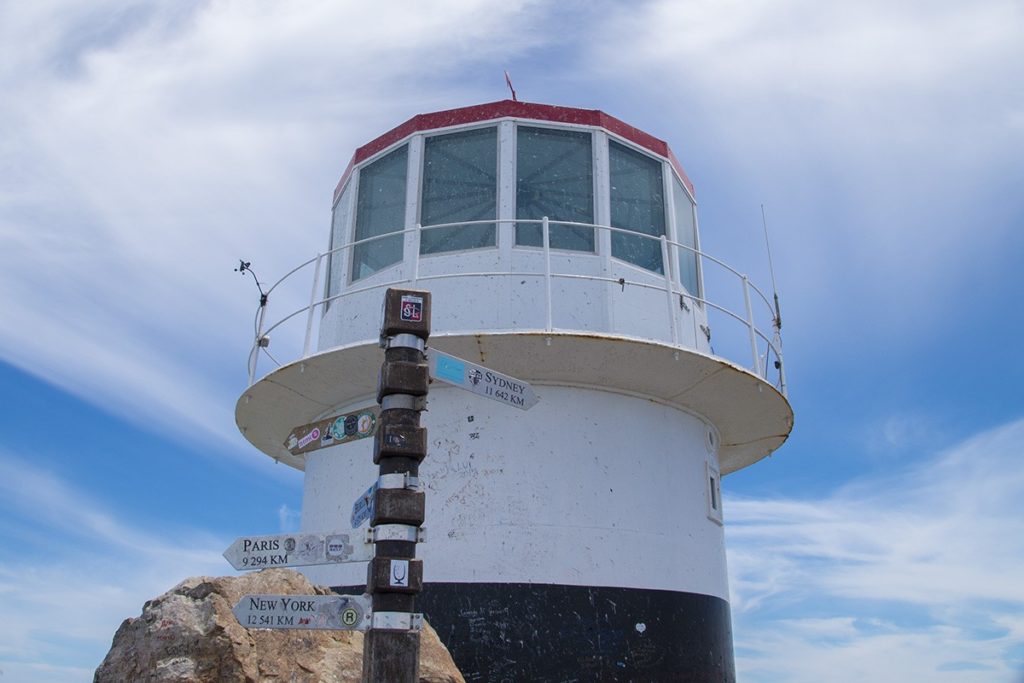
(402,402)
(405,341)
(398,480)
(396,532)
(398,621)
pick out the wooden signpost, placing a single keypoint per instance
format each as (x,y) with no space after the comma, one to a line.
(394,505)
(391,649)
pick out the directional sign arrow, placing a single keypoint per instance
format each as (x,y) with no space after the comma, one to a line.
(335,612)
(480,380)
(332,431)
(297,550)
(362,509)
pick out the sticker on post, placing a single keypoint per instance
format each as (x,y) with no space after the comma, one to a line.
(411,308)
(399,575)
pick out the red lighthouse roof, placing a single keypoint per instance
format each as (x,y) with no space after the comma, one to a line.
(514,109)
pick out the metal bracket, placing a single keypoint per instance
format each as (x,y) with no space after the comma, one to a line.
(403,401)
(405,341)
(396,532)
(397,621)
(398,480)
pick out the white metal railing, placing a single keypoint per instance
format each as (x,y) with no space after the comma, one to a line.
(765,351)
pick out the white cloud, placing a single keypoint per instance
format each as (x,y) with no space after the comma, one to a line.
(877,66)
(288,519)
(911,576)
(74,570)
(883,136)
(155,143)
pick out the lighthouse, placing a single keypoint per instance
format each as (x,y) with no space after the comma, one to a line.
(582,539)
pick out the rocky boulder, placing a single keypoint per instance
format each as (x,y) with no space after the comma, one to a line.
(189,635)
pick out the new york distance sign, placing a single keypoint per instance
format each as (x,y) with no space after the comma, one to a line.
(480,380)
(334,612)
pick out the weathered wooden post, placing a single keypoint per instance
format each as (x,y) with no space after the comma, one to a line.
(394,576)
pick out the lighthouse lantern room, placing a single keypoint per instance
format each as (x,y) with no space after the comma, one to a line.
(581,539)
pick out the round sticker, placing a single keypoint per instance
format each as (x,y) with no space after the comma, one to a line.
(351,423)
(349,616)
(338,429)
(366,422)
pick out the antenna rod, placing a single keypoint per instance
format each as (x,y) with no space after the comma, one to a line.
(508,81)
(771,270)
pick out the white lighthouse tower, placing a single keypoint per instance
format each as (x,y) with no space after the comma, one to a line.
(581,539)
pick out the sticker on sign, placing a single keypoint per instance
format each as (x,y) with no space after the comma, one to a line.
(480,380)
(334,612)
(297,550)
(333,431)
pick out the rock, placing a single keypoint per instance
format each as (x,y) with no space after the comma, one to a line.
(189,635)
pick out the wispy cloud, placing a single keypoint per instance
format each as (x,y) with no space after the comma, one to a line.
(908,576)
(288,519)
(73,568)
(157,142)
(883,136)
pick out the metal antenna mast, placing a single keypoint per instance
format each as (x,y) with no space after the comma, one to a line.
(771,271)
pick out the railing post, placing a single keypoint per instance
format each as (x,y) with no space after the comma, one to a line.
(312,306)
(777,345)
(750,326)
(416,237)
(256,342)
(668,290)
(782,376)
(545,229)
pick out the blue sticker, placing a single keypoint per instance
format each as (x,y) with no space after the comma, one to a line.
(451,370)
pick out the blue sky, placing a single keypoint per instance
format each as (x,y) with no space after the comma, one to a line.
(146,146)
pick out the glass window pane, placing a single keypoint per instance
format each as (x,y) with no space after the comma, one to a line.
(686,234)
(380,210)
(339,233)
(460,183)
(638,204)
(554,178)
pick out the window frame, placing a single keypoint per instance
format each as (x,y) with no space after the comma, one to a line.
(357,179)
(421,176)
(595,181)
(343,257)
(666,222)
(674,179)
